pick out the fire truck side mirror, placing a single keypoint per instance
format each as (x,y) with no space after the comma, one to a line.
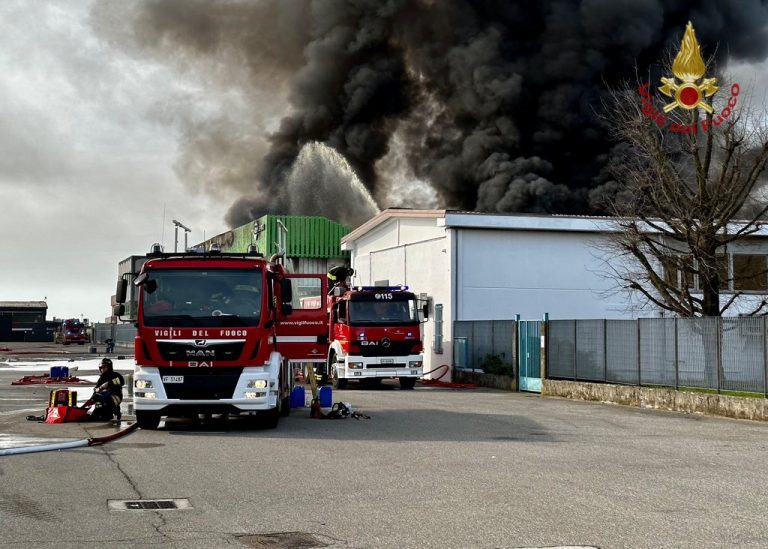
(287,309)
(121,291)
(118,310)
(286,290)
(425,311)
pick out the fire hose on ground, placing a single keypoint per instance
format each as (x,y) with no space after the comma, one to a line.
(93,441)
(437,382)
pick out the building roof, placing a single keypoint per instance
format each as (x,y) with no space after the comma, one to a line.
(512,221)
(386,215)
(23,305)
(537,222)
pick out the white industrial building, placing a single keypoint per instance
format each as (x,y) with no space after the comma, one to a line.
(475,266)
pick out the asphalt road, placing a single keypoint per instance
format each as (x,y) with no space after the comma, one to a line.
(432,467)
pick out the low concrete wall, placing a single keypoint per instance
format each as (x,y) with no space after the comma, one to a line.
(507,383)
(664,399)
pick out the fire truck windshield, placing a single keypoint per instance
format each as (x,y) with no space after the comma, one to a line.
(383,312)
(187,297)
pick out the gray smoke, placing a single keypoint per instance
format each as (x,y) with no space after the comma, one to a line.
(495,99)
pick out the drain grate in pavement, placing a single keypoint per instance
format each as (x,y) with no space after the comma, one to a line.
(282,540)
(148,504)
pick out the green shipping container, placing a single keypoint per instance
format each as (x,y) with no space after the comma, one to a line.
(303,236)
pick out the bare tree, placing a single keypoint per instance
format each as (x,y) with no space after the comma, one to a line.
(687,173)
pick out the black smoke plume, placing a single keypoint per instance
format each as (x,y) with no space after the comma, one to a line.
(495,99)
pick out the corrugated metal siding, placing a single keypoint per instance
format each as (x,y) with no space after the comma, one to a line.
(308,236)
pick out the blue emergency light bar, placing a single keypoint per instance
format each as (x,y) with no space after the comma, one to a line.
(400,288)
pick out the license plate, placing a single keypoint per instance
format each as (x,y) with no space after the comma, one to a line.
(387,360)
(173,379)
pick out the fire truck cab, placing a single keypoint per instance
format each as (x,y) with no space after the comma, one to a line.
(206,336)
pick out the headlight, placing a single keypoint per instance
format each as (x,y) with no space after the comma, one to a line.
(257,384)
(254,394)
(354,365)
(145,395)
(415,364)
(142,384)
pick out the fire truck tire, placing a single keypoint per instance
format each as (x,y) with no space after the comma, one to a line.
(285,406)
(336,381)
(270,418)
(148,420)
(407,382)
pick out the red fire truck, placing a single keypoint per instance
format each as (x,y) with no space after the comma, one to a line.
(374,333)
(73,331)
(206,341)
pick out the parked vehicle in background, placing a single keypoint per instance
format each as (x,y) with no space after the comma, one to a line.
(73,331)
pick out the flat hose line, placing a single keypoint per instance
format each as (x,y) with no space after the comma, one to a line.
(93,441)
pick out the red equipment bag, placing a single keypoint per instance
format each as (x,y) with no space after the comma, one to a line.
(64,414)
(62,407)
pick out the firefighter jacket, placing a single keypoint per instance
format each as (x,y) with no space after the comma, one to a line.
(115,382)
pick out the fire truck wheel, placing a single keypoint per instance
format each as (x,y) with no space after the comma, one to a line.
(270,418)
(407,382)
(148,420)
(285,406)
(336,381)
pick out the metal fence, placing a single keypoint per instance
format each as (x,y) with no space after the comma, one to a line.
(121,334)
(723,354)
(473,340)
(710,353)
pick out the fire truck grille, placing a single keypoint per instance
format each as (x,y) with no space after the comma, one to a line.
(395,348)
(185,351)
(202,383)
(393,365)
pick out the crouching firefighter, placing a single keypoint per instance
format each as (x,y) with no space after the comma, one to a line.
(108,393)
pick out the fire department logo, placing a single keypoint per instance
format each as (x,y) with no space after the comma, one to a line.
(688,67)
(689,89)
(386,342)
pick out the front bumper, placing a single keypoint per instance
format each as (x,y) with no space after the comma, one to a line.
(359,367)
(149,393)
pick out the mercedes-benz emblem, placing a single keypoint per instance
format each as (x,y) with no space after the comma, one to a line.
(386,342)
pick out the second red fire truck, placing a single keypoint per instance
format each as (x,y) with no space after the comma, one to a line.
(374,333)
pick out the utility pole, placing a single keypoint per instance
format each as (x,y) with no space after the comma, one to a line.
(187,230)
